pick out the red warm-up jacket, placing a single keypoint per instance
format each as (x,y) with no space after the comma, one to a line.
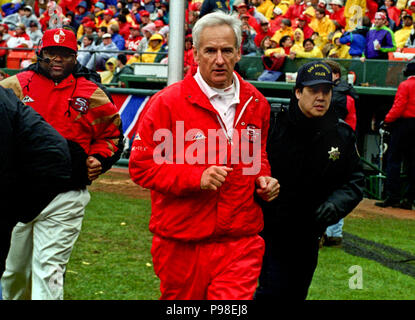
(180,209)
(404,104)
(80,111)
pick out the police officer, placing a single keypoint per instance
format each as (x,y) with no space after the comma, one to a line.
(313,155)
(400,120)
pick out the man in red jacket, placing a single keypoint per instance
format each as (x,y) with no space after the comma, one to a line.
(401,122)
(67,97)
(200,148)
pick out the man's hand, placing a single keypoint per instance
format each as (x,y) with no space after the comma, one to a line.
(213,177)
(94,168)
(268,188)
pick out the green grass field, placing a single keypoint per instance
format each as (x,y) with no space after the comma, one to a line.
(112,261)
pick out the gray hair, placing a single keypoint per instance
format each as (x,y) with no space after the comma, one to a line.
(217,18)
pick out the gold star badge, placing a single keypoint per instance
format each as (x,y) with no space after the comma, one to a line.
(334,153)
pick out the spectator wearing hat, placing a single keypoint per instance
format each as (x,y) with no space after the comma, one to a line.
(144,18)
(285,30)
(107,74)
(338,12)
(339,50)
(298,40)
(14,19)
(265,31)
(81,111)
(107,19)
(134,38)
(303,24)
(281,4)
(81,12)
(89,30)
(402,35)
(380,39)
(116,37)
(294,11)
(20,39)
(275,22)
(34,33)
(147,31)
(100,32)
(411,7)
(209,6)
(330,182)
(243,12)
(105,50)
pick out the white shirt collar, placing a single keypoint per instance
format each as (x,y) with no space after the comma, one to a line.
(210,93)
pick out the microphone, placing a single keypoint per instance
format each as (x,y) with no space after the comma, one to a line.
(46,60)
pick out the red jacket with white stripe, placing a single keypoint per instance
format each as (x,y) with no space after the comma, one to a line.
(180,209)
(80,111)
(404,104)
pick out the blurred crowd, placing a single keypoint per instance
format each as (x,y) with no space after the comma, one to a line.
(113,34)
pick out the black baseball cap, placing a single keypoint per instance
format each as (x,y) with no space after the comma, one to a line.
(314,73)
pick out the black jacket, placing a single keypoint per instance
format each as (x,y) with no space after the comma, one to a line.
(34,160)
(341,90)
(299,151)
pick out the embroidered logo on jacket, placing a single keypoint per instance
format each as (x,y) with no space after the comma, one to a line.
(252,132)
(80,104)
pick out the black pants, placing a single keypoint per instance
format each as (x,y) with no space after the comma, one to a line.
(288,267)
(401,147)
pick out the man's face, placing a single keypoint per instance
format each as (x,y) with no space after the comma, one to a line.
(379,23)
(319,15)
(134,32)
(297,36)
(62,62)
(407,22)
(106,41)
(242,10)
(217,55)
(301,23)
(314,101)
(86,41)
(265,27)
(308,46)
(145,19)
(154,43)
(335,7)
(19,31)
(27,13)
(107,17)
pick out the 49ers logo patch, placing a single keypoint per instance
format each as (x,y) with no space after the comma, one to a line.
(59,36)
(79,104)
(252,132)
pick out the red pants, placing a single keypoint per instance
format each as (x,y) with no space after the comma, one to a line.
(226,270)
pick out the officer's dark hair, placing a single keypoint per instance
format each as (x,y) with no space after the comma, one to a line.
(409,69)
